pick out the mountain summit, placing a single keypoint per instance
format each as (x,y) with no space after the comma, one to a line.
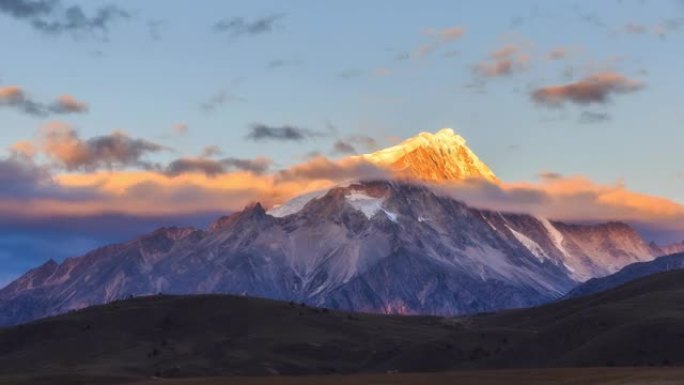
(439,157)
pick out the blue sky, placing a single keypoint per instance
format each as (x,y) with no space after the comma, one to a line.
(355,68)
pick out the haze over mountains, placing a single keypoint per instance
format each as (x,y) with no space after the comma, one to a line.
(373,246)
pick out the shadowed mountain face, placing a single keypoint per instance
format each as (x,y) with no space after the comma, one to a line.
(639,324)
(629,273)
(375,246)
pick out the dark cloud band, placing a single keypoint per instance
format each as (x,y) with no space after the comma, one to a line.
(262,132)
(238,26)
(597,89)
(211,167)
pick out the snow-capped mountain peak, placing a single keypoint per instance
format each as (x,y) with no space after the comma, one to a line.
(439,157)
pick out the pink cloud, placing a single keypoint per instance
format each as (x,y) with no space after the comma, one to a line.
(504,61)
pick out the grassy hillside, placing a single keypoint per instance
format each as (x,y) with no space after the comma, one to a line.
(639,324)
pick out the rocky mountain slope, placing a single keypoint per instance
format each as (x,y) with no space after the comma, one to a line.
(674,248)
(629,273)
(381,246)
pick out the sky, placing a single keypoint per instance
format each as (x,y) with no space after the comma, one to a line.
(117,117)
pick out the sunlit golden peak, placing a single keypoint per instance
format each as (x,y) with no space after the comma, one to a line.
(439,157)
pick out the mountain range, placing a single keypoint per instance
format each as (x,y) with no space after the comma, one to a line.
(395,247)
(629,273)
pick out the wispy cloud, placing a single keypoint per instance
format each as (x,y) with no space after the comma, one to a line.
(238,26)
(350,73)
(280,63)
(664,28)
(589,17)
(211,151)
(54,18)
(263,132)
(352,143)
(218,100)
(661,29)
(67,104)
(437,38)
(594,89)
(212,167)
(343,147)
(636,28)
(15,97)
(505,61)
(558,53)
(180,128)
(154,28)
(445,35)
(593,117)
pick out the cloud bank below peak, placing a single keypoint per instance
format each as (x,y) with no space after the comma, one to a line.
(192,186)
(112,174)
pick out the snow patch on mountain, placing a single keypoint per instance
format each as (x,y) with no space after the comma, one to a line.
(295,205)
(529,244)
(365,203)
(555,235)
(392,216)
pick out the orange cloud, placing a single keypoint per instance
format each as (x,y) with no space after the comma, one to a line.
(438,38)
(29,191)
(24,148)
(446,34)
(152,193)
(62,144)
(574,198)
(180,128)
(10,94)
(155,193)
(68,104)
(15,97)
